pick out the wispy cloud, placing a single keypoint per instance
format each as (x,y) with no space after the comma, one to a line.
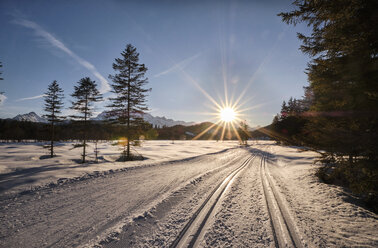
(30,98)
(39,31)
(2,99)
(180,65)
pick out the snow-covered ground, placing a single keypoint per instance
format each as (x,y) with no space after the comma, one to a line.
(21,166)
(327,215)
(149,205)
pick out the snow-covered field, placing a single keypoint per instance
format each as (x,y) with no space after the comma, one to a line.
(148,205)
(21,166)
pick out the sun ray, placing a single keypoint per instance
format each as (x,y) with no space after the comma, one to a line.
(273,134)
(215,132)
(224,63)
(239,105)
(229,134)
(262,64)
(245,131)
(223,131)
(204,131)
(253,107)
(236,132)
(199,88)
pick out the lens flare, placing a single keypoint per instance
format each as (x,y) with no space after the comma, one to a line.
(227,114)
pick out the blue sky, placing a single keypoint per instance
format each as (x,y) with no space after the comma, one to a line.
(193,50)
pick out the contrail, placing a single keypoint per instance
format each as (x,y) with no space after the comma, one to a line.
(30,98)
(39,31)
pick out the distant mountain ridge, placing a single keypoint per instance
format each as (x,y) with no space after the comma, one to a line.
(31,117)
(154,120)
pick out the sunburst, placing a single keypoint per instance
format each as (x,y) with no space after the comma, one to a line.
(227,114)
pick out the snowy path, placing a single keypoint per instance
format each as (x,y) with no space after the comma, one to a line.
(271,199)
(77,213)
(258,209)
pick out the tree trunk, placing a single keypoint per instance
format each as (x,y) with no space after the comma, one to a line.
(85,128)
(350,159)
(128,117)
(52,133)
(52,140)
(84,144)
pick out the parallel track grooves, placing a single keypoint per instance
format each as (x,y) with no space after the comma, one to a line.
(282,224)
(222,187)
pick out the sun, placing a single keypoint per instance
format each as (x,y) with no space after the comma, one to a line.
(227,114)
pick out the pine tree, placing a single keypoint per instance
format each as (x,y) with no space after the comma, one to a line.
(129,104)
(53,105)
(85,95)
(1,65)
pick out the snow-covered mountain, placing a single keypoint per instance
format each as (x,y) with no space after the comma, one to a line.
(100,117)
(154,120)
(32,117)
(162,121)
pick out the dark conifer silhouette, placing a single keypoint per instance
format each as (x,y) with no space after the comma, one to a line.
(53,105)
(129,104)
(342,74)
(343,94)
(85,95)
(1,65)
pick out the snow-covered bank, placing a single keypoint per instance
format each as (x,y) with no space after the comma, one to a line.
(327,215)
(22,169)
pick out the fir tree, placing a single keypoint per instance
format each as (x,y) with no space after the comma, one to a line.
(85,95)
(53,105)
(129,104)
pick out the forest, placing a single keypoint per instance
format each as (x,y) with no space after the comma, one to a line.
(338,113)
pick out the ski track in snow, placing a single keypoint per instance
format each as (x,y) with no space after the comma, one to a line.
(327,215)
(149,205)
(88,211)
(242,219)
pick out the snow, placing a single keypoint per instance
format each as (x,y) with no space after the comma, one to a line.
(32,117)
(154,120)
(328,215)
(147,203)
(162,121)
(21,166)
(90,210)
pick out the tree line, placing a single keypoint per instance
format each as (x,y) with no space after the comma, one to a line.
(339,111)
(18,131)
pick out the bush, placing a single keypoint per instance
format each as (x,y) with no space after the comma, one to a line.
(360,176)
